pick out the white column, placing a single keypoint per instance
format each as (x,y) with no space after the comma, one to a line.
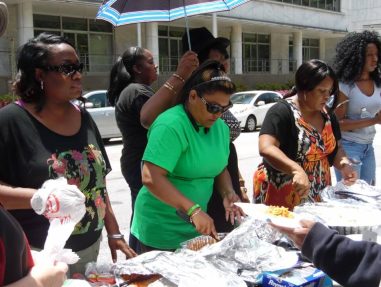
(236,44)
(322,49)
(214,25)
(152,40)
(139,34)
(298,48)
(25,21)
(279,53)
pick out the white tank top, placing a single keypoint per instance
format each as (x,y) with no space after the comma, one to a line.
(357,102)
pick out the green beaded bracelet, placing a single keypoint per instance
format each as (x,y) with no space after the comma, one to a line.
(192,209)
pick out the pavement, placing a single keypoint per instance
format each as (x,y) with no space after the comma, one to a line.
(247,149)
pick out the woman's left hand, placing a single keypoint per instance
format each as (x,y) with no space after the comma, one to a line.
(232,211)
(120,244)
(349,174)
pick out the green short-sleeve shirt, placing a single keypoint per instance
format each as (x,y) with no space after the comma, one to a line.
(193,159)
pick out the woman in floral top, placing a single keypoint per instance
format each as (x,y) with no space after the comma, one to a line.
(300,140)
(44,136)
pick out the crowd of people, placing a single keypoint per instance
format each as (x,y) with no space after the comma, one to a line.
(179,157)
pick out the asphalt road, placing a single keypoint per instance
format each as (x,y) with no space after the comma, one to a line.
(247,149)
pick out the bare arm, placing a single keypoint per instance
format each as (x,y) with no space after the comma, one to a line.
(269,149)
(347,124)
(342,163)
(112,228)
(43,276)
(155,179)
(15,197)
(168,95)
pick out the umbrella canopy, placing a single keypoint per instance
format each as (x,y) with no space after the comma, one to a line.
(121,12)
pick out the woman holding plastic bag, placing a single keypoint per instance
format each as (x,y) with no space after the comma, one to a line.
(44,136)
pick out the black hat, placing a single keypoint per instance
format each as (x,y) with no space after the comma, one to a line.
(3,18)
(201,40)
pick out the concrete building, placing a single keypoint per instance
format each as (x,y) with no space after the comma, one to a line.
(269,38)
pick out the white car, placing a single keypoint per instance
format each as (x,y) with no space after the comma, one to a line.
(250,107)
(102,113)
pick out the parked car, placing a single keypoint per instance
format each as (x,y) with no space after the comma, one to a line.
(103,114)
(250,107)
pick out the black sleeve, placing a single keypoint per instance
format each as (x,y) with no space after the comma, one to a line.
(280,123)
(337,134)
(350,263)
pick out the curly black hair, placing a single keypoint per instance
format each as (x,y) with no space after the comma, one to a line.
(351,53)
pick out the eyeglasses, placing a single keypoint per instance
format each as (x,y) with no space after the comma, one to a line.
(66,69)
(215,108)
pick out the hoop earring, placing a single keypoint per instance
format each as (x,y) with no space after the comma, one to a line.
(42,85)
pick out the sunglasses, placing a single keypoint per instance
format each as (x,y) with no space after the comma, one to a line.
(66,69)
(215,108)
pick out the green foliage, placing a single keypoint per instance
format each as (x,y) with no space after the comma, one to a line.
(240,87)
(274,86)
(7,98)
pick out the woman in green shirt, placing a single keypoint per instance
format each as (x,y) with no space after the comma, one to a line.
(188,146)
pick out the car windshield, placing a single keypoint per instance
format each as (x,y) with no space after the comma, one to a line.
(242,98)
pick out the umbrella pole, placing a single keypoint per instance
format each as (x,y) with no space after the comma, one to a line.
(187,26)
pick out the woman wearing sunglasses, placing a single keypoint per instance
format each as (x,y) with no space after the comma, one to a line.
(188,146)
(300,140)
(44,136)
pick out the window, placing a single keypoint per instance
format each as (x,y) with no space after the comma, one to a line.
(170,47)
(256,52)
(332,5)
(92,39)
(291,60)
(310,49)
(98,100)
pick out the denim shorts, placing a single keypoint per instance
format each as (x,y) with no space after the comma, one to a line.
(364,155)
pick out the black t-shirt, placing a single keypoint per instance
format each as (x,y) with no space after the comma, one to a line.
(31,154)
(127,113)
(15,256)
(280,122)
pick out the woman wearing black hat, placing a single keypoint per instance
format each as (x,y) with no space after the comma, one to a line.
(207,47)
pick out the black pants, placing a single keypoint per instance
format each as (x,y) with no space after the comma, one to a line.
(133,241)
(216,208)
(145,248)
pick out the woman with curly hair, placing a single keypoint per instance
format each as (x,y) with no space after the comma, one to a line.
(357,67)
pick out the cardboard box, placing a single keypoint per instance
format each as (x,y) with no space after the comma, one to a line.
(297,277)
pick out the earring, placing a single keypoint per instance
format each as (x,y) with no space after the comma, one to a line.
(42,85)
(305,99)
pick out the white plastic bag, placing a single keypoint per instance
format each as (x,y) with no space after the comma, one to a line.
(64,205)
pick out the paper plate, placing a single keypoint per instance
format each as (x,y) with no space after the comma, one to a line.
(259,211)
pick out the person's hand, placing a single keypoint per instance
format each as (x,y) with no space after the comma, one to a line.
(298,234)
(49,275)
(300,183)
(232,211)
(204,224)
(244,197)
(120,244)
(348,174)
(378,117)
(187,64)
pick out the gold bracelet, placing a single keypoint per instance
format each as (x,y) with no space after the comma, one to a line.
(170,87)
(179,77)
(194,214)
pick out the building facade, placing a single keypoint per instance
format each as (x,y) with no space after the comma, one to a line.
(269,38)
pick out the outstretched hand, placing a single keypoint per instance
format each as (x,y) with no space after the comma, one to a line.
(232,211)
(298,234)
(120,244)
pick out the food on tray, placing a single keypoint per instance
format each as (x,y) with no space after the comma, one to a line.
(279,211)
(199,242)
(101,278)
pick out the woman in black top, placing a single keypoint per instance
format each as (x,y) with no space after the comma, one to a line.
(44,136)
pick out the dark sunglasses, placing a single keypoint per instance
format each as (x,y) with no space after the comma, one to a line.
(66,69)
(215,108)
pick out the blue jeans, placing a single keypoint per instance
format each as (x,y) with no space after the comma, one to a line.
(364,153)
